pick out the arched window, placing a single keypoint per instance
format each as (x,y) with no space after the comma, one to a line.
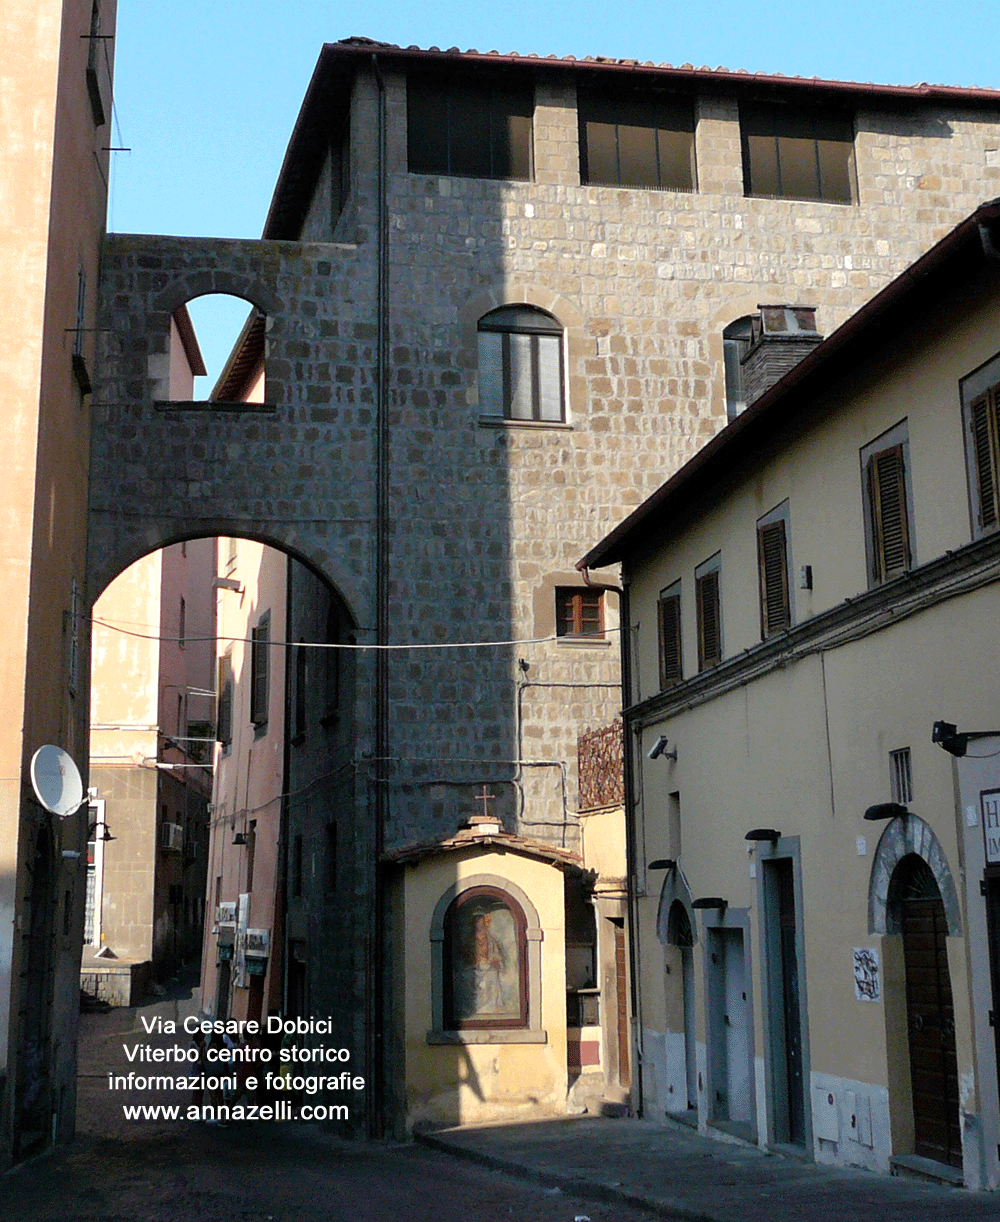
(521,365)
(736,340)
(485,961)
(679,932)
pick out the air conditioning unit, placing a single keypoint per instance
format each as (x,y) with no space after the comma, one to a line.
(172,837)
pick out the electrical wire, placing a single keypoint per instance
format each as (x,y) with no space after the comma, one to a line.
(190,640)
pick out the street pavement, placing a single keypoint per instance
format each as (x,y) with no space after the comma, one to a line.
(563,1170)
(119,1170)
(669,1169)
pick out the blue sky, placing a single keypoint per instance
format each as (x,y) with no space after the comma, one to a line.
(206,92)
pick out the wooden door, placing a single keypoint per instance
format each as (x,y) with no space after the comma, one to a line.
(787,1077)
(931,1023)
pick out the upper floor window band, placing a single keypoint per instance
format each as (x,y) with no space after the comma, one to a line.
(471,129)
(636,140)
(794,152)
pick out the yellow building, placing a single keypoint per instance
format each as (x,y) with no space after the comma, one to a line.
(814,890)
(55,98)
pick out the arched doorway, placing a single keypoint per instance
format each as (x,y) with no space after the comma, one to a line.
(918,912)
(681,935)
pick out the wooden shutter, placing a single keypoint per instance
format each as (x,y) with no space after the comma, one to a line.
(772,562)
(224,712)
(259,638)
(887,500)
(983,422)
(579,612)
(709,621)
(671,670)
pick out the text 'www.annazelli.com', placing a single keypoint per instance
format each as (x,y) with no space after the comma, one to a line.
(282,1110)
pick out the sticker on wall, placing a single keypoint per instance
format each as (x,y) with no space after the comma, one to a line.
(866,982)
(990,799)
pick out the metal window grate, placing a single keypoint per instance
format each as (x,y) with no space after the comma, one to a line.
(901,776)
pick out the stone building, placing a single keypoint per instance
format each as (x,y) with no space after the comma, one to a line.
(815,854)
(498,300)
(152,718)
(55,102)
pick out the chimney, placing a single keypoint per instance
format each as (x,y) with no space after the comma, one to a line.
(781,336)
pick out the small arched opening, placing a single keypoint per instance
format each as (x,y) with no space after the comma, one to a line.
(216,353)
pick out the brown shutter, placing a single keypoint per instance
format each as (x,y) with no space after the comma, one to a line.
(224,713)
(671,670)
(983,421)
(259,659)
(709,625)
(890,530)
(772,561)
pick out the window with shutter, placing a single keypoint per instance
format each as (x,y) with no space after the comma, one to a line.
(579,612)
(224,712)
(772,563)
(983,426)
(887,507)
(709,619)
(259,660)
(669,613)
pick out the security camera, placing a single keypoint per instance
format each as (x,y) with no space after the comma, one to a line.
(946,735)
(658,748)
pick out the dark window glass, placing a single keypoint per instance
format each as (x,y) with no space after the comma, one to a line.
(636,140)
(474,129)
(736,340)
(797,153)
(520,365)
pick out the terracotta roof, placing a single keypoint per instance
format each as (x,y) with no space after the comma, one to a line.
(370,46)
(192,350)
(472,837)
(961,254)
(244,364)
(329,90)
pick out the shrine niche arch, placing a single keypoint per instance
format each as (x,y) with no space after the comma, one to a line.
(531,933)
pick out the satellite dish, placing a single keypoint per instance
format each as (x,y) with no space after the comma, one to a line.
(56,780)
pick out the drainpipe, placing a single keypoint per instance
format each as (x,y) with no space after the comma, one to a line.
(375,1030)
(280,919)
(631,862)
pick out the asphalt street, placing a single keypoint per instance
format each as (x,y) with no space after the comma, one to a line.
(182,1171)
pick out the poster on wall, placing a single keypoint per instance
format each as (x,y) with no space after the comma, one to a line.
(242,917)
